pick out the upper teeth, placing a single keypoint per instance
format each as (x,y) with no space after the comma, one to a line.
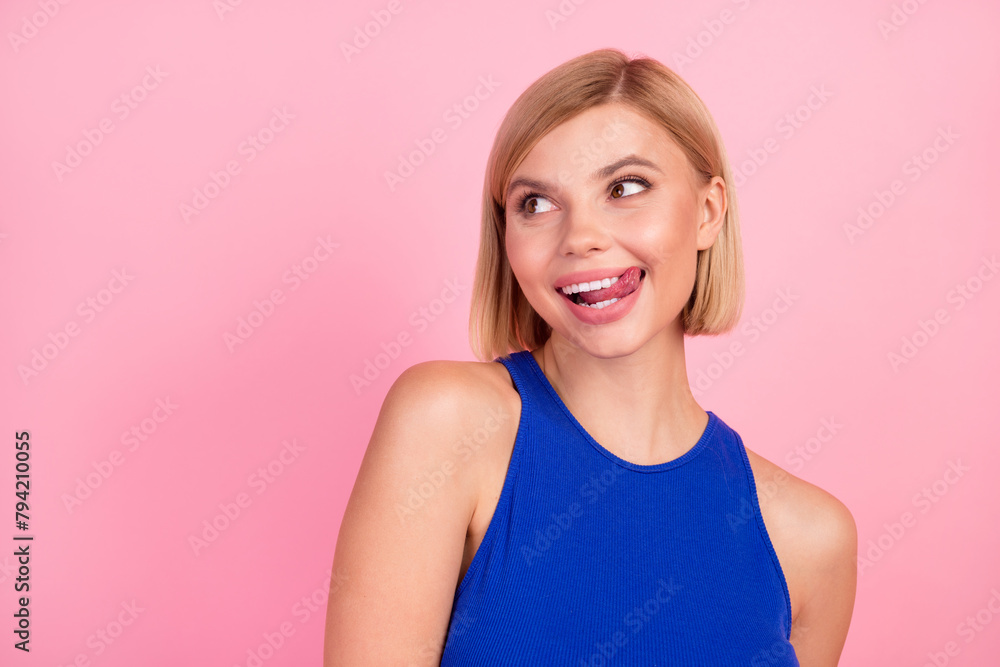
(587,287)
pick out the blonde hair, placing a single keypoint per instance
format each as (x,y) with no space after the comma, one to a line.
(501,319)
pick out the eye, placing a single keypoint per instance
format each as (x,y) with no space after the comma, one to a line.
(530,204)
(626,186)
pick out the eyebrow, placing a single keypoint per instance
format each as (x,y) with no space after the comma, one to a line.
(602,173)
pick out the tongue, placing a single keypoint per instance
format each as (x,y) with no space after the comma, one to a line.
(625,285)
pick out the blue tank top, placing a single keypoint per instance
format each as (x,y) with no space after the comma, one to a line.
(590,560)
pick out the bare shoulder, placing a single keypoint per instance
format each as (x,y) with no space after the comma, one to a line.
(481,404)
(473,407)
(402,540)
(819,518)
(466,391)
(456,379)
(815,537)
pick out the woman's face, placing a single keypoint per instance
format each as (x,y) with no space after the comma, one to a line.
(609,195)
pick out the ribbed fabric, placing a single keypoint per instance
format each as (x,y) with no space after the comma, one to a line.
(592,561)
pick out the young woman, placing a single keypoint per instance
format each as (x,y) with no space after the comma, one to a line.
(571,503)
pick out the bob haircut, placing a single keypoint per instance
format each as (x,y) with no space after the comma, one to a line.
(501,319)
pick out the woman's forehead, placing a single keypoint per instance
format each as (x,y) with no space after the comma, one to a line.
(597,138)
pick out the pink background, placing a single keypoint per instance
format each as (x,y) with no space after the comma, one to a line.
(162,335)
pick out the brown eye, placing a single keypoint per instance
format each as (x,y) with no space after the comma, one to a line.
(531,204)
(627,187)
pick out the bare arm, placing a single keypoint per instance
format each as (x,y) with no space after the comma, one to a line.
(831,539)
(816,540)
(401,567)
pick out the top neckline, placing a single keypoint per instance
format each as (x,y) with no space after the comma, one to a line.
(690,454)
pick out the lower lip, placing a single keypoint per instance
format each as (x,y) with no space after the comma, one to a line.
(615,311)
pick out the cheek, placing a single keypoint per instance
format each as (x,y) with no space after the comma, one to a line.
(513,249)
(665,240)
(522,258)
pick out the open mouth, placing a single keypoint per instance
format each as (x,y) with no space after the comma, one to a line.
(603,297)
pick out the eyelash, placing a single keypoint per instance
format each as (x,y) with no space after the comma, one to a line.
(523,199)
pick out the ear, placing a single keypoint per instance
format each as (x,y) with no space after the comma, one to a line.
(712,204)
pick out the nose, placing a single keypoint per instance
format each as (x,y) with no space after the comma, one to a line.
(584,232)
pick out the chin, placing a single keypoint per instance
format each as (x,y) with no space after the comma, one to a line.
(606,344)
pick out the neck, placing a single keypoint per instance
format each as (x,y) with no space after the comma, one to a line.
(638,406)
